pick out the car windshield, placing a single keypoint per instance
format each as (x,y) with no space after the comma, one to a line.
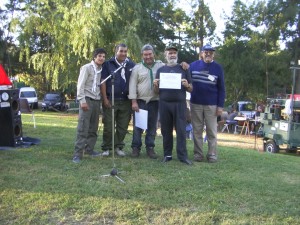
(247,107)
(28,94)
(52,97)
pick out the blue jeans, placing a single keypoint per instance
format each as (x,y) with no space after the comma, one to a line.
(152,108)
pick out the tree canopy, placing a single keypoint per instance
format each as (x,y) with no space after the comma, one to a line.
(44,42)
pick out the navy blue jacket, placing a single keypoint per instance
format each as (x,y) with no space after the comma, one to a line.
(120,86)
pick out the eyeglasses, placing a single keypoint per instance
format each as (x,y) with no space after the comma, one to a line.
(208,52)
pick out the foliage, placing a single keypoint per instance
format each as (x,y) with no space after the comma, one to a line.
(202,24)
(255,66)
(48,40)
(41,185)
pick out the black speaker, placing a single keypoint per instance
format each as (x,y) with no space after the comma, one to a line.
(10,118)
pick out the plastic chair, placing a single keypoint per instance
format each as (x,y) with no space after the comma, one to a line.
(25,108)
(227,125)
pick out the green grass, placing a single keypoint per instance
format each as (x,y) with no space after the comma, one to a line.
(41,185)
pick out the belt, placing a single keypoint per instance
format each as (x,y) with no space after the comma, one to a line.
(148,102)
(92,99)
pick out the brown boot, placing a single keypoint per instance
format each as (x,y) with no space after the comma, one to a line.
(151,153)
(135,152)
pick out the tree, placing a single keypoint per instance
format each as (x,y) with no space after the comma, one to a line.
(201,25)
(57,36)
(251,53)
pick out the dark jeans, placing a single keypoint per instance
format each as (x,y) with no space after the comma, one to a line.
(122,116)
(173,114)
(152,108)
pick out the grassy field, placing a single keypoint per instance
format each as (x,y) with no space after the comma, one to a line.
(41,184)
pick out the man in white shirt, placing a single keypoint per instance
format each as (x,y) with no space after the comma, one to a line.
(88,95)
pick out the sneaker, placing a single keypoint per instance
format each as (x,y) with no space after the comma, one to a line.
(120,152)
(105,153)
(135,152)
(166,159)
(198,158)
(93,153)
(151,153)
(76,159)
(212,158)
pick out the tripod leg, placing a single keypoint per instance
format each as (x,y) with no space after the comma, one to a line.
(119,179)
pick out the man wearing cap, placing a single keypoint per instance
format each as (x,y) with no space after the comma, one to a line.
(207,102)
(172,104)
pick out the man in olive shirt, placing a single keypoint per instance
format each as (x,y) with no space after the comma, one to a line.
(142,95)
(88,95)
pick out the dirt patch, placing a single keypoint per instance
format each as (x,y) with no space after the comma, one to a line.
(240,141)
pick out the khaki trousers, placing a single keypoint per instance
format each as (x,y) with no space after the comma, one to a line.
(204,115)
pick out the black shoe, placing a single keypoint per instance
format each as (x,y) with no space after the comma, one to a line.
(186,161)
(93,153)
(166,159)
(76,159)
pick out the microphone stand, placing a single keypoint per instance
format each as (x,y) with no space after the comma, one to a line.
(114,171)
(255,134)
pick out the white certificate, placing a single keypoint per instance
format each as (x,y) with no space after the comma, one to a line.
(170,80)
(141,119)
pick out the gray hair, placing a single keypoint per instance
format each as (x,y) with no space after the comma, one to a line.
(147,47)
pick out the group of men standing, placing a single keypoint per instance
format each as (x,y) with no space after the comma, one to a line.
(145,86)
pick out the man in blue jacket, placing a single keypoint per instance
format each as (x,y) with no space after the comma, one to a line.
(207,102)
(122,105)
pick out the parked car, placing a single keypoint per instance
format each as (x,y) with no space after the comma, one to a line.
(30,94)
(276,102)
(54,101)
(245,108)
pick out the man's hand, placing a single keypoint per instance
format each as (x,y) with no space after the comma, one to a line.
(156,83)
(106,103)
(219,111)
(134,105)
(185,65)
(185,83)
(84,106)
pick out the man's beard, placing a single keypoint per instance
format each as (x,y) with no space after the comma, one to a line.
(172,61)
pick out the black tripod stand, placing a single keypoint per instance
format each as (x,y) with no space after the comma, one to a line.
(255,134)
(114,171)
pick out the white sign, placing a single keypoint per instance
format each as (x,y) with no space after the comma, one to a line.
(283,126)
(141,119)
(170,80)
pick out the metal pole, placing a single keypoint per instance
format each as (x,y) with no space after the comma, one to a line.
(291,117)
